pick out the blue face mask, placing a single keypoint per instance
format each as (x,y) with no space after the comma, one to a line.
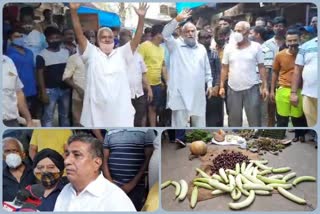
(18,42)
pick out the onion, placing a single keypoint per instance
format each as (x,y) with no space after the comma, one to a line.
(198,148)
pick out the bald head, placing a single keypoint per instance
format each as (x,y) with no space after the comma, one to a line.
(243,25)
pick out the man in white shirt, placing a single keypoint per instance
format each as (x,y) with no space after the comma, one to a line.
(239,65)
(13,99)
(107,101)
(189,72)
(306,68)
(88,190)
(138,82)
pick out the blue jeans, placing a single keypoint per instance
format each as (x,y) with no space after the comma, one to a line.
(62,98)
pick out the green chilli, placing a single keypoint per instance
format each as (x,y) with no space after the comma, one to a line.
(289,176)
(255,172)
(236,194)
(217,177)
(276,176)
(232,172)
(237,168)
(194,197)
(223,175)
(202,173)
(257,187)
(244,203)
(217,192)
(260,161)
(270,180)
(253,179)
(303,179)
(265,172)
(261,166)
(165,184)
(203,180)
(291,196)
(284,186)
(281,170)
(262,192)
(177,186)
(232,181)
(203,185)
(243,167)
(184,190)
(216,184)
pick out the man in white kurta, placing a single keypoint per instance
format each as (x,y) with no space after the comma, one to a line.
(107,100)
(189,72)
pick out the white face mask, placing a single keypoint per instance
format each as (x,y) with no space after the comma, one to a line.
(238,37)
(13,160)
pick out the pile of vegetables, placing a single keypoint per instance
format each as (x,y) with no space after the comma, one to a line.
(196,135)
(228,160)
(246,179)
(266,144)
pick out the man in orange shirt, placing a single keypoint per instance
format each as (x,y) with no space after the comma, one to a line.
(283,68)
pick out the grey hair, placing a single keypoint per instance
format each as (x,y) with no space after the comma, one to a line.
(245,24)
(103,29)
(192,25)
(188,24)
(7,139)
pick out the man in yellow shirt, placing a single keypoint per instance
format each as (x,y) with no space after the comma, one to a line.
(55,139)
(153,56)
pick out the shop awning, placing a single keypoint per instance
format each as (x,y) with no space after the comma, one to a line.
(180,6)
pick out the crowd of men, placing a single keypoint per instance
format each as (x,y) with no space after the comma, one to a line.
(175,75)
(79,172)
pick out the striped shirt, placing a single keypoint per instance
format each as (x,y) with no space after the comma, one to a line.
(308,58)
(127,153)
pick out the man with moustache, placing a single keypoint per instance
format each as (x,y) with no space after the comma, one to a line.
(88,189)
(283,68)
(107,101)
(189,73)
(239,65)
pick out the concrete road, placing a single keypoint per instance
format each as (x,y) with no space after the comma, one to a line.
(301,157)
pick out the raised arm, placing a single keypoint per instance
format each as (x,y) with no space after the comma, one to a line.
(82,40)
(141,12)
(171,26)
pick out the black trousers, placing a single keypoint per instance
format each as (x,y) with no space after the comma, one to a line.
(214,112)
(297,122)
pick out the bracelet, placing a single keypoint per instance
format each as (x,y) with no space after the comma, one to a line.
(293,92)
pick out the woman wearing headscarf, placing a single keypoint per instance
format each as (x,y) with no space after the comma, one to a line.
(48,167)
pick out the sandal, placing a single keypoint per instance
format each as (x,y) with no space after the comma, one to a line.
(302,139)
(295,139)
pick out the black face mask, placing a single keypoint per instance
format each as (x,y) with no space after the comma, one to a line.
(54,44)
(220,42)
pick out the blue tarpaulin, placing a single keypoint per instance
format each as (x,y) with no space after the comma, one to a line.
(180,6)
(105,18)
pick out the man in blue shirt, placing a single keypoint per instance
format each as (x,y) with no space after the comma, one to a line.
(23,60)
